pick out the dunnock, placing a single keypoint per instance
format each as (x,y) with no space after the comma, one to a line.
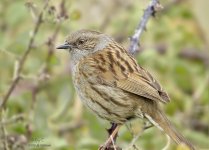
(111,83)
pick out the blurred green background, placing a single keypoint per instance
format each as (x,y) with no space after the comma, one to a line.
(44,108)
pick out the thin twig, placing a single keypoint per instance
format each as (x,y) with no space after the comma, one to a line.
(168,143)
(24,57)
(13,119)
(138,135)
(149,12)
(3,130)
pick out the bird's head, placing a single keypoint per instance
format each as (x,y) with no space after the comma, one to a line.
(85,42)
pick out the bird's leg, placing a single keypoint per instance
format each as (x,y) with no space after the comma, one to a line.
(113,131)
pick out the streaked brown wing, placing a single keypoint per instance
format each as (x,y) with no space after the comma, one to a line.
(115,67)
(137,85)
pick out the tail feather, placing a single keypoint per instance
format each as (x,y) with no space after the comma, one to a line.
(162,122)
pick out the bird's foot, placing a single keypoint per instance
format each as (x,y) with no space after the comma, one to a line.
(112,128)
(110,143)
(110,147)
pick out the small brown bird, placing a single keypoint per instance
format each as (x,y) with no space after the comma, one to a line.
(111,83)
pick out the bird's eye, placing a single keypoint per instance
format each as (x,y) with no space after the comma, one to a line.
(81,41)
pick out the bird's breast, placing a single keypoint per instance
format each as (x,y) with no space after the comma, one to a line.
(107,102)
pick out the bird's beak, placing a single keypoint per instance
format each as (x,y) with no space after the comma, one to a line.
(64,46)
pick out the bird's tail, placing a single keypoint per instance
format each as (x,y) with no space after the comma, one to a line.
(161,121)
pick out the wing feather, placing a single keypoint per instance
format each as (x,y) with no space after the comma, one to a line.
(136,85)
(116,71)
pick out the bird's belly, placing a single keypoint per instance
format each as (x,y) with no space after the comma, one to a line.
(107,102)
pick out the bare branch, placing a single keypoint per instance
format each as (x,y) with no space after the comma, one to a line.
(24,57)
(151,10)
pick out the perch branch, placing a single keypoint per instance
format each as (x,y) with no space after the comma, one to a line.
(151,10)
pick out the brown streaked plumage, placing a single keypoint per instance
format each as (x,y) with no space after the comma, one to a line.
(111,83)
